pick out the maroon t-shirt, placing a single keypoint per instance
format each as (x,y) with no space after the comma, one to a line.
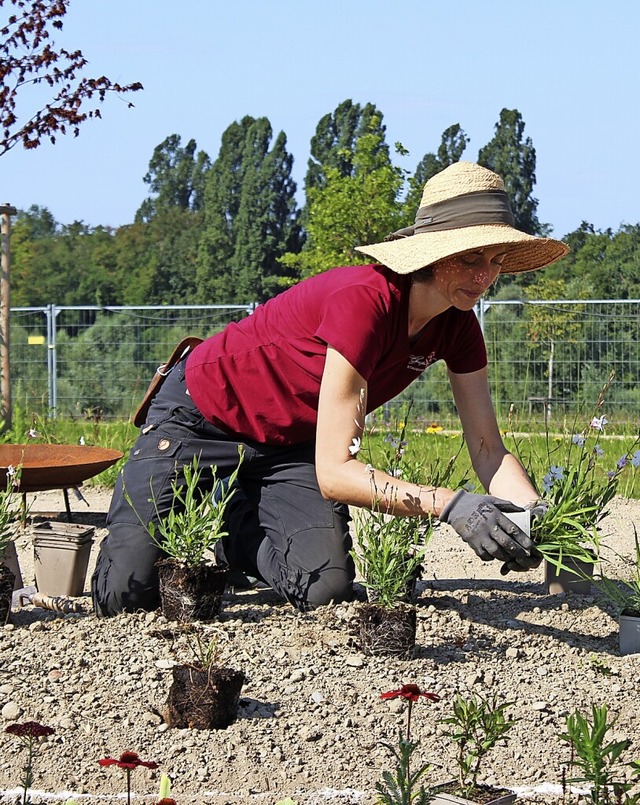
(260,377)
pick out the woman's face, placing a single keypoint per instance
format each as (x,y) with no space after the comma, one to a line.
(462,279)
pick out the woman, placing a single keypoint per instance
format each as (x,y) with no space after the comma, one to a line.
(289,383)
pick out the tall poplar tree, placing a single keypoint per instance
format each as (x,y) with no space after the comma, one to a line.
(250,215)
(513,156)
(175,177)
(350,210)
(452,146)
(334,143)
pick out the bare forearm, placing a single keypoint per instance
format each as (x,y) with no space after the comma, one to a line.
(506,478)
(359,485)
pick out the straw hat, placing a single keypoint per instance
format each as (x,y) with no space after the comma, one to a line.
(464,207)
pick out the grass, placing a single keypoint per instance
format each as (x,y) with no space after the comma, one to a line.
(429,446)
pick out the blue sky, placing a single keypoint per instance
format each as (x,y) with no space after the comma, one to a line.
(569,66)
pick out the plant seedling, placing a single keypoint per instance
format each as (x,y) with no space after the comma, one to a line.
(477,724)
(596,757)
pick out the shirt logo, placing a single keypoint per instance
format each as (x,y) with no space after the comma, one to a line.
(418,363)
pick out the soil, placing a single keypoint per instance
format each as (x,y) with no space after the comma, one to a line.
(311,724)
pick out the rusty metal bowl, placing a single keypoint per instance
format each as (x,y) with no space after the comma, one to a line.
(55,466)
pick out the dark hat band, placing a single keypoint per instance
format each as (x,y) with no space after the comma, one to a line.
(472,209)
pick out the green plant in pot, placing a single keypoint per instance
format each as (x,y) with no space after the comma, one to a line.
(388,557)
(625,596)
(204,694)
(389,550)
(191,587)
(578,490)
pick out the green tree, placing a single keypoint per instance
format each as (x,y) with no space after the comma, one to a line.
(333,145)
(347,211)
(250,215)
(29,58)
(452,146)
(175,178)
(514,158)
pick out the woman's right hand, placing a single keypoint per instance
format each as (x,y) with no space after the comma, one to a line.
(480,521)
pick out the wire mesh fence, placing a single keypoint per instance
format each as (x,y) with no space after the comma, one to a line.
(546,358)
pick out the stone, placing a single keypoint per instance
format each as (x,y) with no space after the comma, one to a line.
(11,711)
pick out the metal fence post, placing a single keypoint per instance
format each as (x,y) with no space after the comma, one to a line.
(52,385)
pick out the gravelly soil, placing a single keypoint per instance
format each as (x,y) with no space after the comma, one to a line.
(311,723)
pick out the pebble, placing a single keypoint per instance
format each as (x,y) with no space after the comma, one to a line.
(11,711)
(513,653)
(354,661)
(165,664)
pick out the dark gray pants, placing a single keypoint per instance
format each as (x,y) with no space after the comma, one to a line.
(281,529)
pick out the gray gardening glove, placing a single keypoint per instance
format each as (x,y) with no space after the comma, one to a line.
(479,520)
(538,509)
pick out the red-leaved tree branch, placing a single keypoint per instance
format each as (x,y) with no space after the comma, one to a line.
(28,56)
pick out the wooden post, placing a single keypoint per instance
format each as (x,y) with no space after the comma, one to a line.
(6,211)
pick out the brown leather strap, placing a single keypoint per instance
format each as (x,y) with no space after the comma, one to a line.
(183,349)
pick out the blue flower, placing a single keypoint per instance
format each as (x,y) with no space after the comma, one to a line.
(621,462)
(635,459)
(578,439)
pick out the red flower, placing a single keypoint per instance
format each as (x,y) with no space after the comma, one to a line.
(411,693)
(30,729)
(128,760)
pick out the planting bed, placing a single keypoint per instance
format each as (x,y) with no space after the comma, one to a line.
(311,723)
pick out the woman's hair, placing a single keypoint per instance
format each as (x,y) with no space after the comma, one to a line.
(423,274)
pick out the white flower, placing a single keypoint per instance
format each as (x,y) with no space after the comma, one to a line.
(81,440)
(33,433)
(635,459)
(598,422)
(369,469)
(11,471)
(354,447)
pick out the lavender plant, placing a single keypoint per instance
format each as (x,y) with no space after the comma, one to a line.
(390,550)
(195,521)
